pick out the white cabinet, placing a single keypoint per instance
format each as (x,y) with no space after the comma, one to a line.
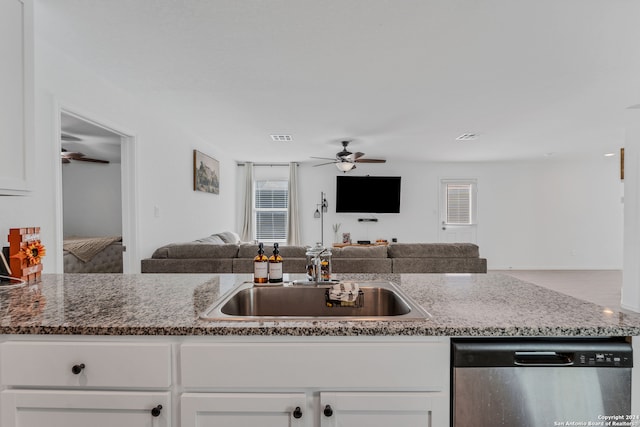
(224,381)
(345,383)
(244,409)
(330,364)
(333,409)
(56,383)
(16,101)
(60,408)
(406,409)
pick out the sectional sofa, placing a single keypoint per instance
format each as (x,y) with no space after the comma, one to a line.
(204,256)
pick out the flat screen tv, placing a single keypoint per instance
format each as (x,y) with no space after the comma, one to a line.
(368,194)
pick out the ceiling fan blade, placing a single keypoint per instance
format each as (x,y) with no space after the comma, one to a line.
(322,164)
(323,158)
(71,154)
(67,137)
(353,156)
(370,161)
(67,156)
(89,159)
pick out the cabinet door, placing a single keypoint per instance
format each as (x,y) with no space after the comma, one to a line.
(16,102)
(55,408)
(404,409)
(244,409)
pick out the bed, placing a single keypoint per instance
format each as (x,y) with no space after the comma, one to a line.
(93,254)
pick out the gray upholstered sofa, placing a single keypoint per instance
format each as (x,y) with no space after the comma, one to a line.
(207,257)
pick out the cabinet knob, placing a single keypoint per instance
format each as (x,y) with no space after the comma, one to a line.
(156,411)
(297,413)
(76,369)
(328,411)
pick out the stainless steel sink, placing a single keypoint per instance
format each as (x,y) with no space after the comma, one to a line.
(378,301)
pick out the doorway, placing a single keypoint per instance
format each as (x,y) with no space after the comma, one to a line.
(95,209)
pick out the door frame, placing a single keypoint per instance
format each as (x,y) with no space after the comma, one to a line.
(128,184)
(471,228)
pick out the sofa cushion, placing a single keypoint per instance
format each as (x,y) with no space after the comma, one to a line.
(362,265)
(360,252)
(439,265)
(250,250)
(433,250)
(211,265)
(196,250)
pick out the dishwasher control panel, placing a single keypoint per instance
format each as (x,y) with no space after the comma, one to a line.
(603,359)
(549,352)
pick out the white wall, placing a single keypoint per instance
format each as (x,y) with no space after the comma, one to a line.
(92,199)
(550,214)
(164,167)
(547,214)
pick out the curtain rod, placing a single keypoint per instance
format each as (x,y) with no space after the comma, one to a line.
(269,164)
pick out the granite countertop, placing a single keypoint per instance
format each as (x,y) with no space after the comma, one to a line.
(169,304)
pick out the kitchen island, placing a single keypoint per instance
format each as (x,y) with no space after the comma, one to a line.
(169,304)
(131,350)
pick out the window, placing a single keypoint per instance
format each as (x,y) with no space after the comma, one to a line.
(459,202)
(270,203)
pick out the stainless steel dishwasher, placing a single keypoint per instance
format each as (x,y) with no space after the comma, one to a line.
(540,382)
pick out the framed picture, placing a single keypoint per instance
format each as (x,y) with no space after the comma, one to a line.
(206,173)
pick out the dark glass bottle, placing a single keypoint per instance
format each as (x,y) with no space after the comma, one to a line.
(260,266)
(275,265)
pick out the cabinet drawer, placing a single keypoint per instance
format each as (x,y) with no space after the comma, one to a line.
(335,365)
(52,364)
(26,408)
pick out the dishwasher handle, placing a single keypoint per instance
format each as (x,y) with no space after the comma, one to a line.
(542,358)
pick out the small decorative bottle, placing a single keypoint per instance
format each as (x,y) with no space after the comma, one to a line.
(275,265)
(325,265)
(260,266)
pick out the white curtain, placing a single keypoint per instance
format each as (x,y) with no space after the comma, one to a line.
(247,214)
(293,221)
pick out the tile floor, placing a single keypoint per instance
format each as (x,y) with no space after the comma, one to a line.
(601,287)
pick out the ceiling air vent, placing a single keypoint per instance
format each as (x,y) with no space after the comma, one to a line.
(467,137)
(282,138)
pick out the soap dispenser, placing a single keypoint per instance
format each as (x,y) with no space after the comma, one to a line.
(275,265)
(260,263)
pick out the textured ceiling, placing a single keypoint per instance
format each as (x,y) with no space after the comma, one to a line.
(400,78)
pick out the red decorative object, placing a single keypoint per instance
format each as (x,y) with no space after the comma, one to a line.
(25,253)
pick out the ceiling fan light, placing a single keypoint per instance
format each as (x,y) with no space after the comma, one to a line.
(345,166)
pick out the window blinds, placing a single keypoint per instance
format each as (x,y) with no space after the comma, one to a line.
(270,204)
(459,204)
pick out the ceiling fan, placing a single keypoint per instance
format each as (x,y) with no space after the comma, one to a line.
(346,160)
(67,155)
